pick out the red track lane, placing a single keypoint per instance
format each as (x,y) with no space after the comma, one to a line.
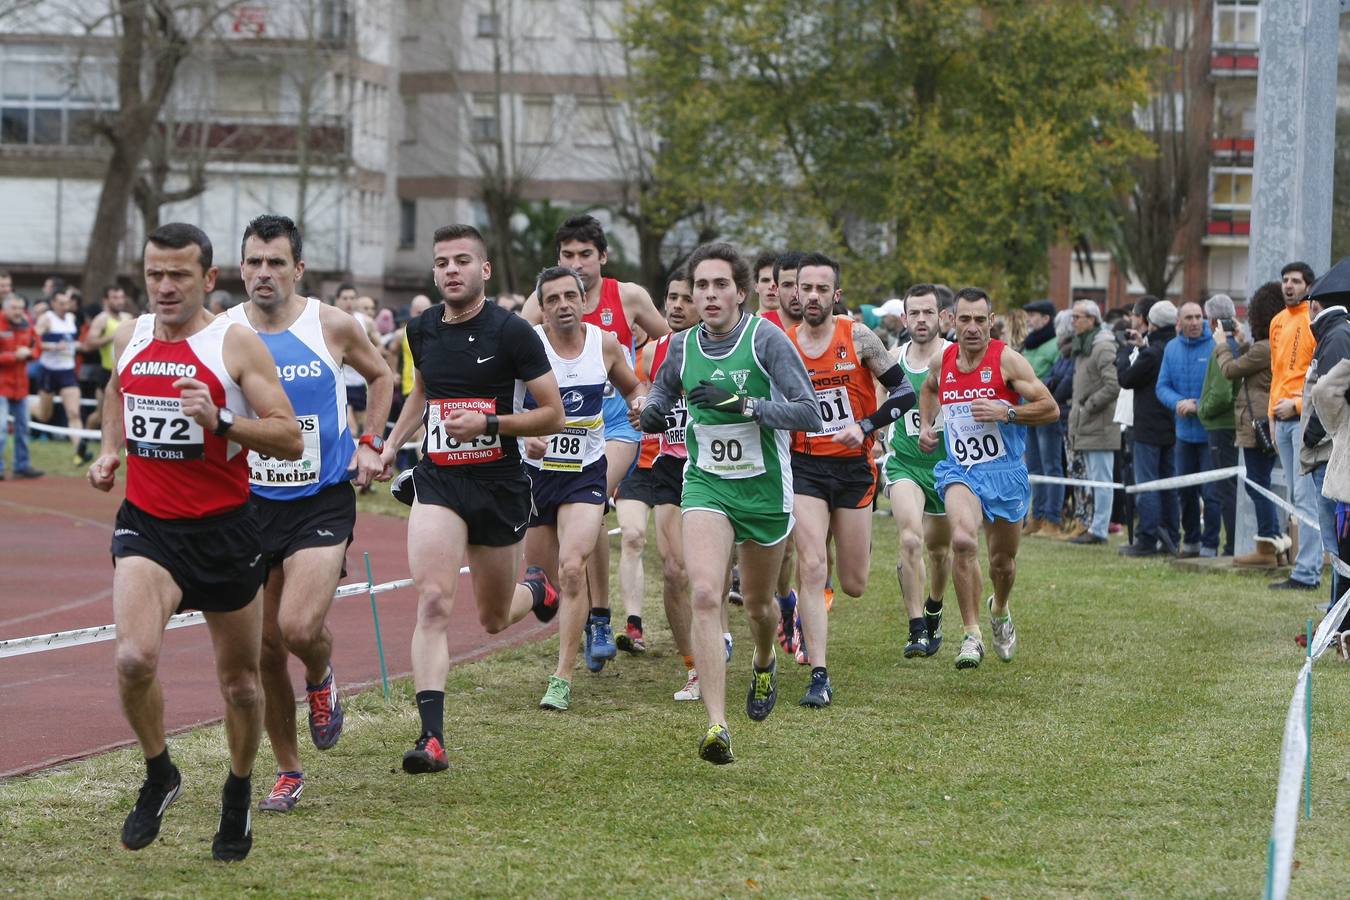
(62,705)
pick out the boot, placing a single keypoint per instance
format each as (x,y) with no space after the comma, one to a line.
(1265,556)
(1033,525)
(1073,530)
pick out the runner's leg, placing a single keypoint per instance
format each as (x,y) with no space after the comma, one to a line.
(632,516)
(144,597)
(708,537)
(907,510)
(436,546)
(964,515)
(237,638)
(809,535)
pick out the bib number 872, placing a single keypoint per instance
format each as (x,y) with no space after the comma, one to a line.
(975,449)
(152,427)
(726,451)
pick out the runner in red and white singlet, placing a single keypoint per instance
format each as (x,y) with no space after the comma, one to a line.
(191,394)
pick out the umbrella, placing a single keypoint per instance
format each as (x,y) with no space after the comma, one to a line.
(1334,285)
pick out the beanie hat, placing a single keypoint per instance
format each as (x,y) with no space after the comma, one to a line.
(1163,313)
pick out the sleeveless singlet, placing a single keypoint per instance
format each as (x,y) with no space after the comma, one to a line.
(845,393)
(972,443)
(105,353)
(903,442)
(175,468)
(581,381)
(651,443)
(58,344)
(312,380)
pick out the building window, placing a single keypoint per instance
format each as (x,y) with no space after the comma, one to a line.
(485,128)
(1237,24)
(489,25)
(411,107)
(407,224)
(593,125)
(51,100)
(538,125)
(1231,188)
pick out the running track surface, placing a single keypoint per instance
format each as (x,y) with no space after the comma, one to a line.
(62,705)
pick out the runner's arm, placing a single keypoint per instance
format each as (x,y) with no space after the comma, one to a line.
(664,389)
(901,397)
(95,338)
(102,472)
(529,311)
(409,420)
(362,355)
(1038,406)
(546,418)
(620,374)
(641,311)
(275,431)
(798,410)
(929,402)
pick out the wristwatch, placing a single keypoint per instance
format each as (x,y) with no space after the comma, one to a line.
(1012,414)
(224,421)
(750,405)
(373,441)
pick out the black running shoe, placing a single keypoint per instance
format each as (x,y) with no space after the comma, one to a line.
(545,597)
(933,622)
(235,837)
(819,692)
(917,644)
(142,824)
(763,691)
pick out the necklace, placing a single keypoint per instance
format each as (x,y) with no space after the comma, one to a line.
(718,334)
(450,318)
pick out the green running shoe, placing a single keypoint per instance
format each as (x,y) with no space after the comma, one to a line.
(763,693)
(559,694)
(972,652)
(716,746)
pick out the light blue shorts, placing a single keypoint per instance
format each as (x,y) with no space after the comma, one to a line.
(1004,491)
(617,426)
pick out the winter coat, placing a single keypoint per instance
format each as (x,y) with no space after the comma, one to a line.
(1329,398)
(1153,423)
(1252,368)
(1095,386)
(1331,330)
(1182,377)
(1041,350)
(14,371)
(1060,383)
(1216,399)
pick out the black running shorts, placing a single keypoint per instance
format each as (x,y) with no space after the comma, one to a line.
(496,510)
(216,561)
(661,485)
(322,519)
(843,483)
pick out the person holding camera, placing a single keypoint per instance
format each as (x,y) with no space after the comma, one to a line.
(1217,416)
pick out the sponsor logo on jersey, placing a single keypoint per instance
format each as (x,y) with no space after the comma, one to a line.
(844,367)
(842,351)
(739,376)
(311,369)
(717,375)
(956,396)
(951,376)
(166,369)
(572,401)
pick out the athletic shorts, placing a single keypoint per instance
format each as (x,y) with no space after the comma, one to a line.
(895,469)
(94,375)
(51,381)
(551,490)
(766,528)
(496,510)
(356,397)
(322,519)
(1004,491)
(660,485)
(216,561)
(617,426)
(841,483)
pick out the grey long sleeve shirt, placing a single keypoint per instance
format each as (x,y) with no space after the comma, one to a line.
(792,406)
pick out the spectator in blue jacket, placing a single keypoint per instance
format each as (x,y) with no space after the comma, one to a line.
(1180,380)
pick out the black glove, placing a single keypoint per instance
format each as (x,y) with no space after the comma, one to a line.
(709,396)
(652,420)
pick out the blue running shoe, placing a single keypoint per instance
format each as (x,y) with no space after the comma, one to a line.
(595,665)
(602,639)
(325,712)
(787,609)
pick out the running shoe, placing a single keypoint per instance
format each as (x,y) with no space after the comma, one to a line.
(234,838)
(763,693)
(1005,635)
(602,639)
(690,691)
(325,713)
(546,597)
(632,639)
(819,692)
(734,595)
(787,609)
(918,643)
(559,694)
(402,487)
(142,823)
(285,793)
(933,622)
(716,746)
(799,642)
(727,643)
(971,652)
(427,755)
(593,664)
(829,598)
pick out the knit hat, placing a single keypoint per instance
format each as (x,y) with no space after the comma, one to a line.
(1163,313)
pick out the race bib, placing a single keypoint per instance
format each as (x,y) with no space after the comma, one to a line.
(268,471)
(566,450)
(677,421)
(913,423)
(730,451)
(445,450)
(836,412)
(971,443)
(156,428)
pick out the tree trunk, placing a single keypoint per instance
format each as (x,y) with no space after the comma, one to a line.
(110,221)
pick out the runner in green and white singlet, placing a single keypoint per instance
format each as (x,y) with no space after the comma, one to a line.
(920,517)
(745,385)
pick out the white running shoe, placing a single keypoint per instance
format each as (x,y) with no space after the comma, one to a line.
(690,691)
(1005,635)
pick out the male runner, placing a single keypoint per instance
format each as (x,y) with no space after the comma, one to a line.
(469,495)
(745,386)
(182,399)
(59,331)
(978,384)
(306,508)
(614,306)
(789,316)
(567,470)
(766,289)
(833,475)
(100,337)
(916,506)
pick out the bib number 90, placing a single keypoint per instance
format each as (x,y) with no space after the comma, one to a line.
(726,451)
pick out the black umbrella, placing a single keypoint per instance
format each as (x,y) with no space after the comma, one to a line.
(1334,285)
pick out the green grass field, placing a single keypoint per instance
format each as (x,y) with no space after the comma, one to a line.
(1131,749)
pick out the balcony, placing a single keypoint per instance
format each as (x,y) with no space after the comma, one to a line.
(1232,151)
(1234,63)
(1228,228)
(254,138)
